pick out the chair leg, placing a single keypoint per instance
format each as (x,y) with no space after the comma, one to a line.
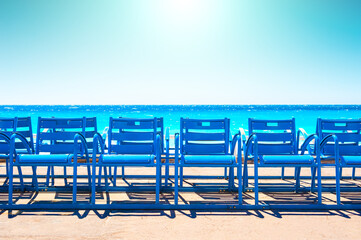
(47,182)
(123,172)
(256,183)
(157,184)
(110,172)
(353,173)
(52,176)
(106,179)
(7,166)
(166,177)
(338,189)
(100,176)
(21,179)
(283,173)
(340,172)
(297,170)
(245,177)
(75,173)
(313,178)
(65,177)
(319,185)
(181,176)
(298,173)
(35,179)
(240,187)
(11,186)
(115,176)
(176,184)
(89,175)
(92,198)
(231,179)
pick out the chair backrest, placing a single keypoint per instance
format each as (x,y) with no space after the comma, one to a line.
(90,129)
(204,136)
(56,135)
(160,131)
(20,125)
(132,135)
(347,132)
(275,137)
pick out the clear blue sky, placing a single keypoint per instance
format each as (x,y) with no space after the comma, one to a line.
(180,52)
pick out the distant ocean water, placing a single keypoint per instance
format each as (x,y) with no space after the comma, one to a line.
(305,115)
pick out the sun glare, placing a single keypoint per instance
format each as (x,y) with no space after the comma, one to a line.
(185,12)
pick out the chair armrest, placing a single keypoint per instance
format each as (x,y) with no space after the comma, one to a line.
(317,151)
(239,137)
(98,140)
(303,133)
(176,152)
(327,139)
(104,135)
(234,141)
(239,149)
(26,143)
(243,135)
(167,144)
(83,143)
(248,144)
(3,136)
(305,145)
(158,150)
(12,150)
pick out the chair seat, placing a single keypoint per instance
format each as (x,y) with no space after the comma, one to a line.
(128,159)
(44,159)
(351,160)
(287,159)
(209,159)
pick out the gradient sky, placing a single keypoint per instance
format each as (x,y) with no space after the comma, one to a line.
(180,52)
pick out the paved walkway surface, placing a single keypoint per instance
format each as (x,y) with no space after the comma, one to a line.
(183,224)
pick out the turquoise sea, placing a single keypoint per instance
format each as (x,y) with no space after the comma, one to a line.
(305,115)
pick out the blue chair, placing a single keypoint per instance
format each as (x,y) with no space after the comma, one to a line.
(91,128)
(165,148)
(8,126)
(88,133)
(273,143)
(164,151)
(205,143)
(131,142)
(58,147)
(341,143)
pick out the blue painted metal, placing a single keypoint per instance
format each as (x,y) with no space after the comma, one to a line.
(132,142)
(206,207)
(88,132)
(8,126)
(167,149)
(205,143)
(5,142)
(20,125)
(160,131)
(273,143)
(341,140)
(62,143)
(201,143)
